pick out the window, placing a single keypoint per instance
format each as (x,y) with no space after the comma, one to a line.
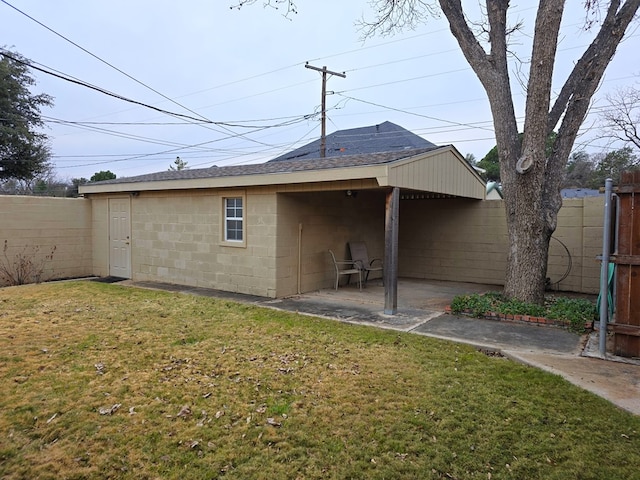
(233,220)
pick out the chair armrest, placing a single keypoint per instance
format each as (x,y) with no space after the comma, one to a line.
(344,262)
(376,260)
(359,264)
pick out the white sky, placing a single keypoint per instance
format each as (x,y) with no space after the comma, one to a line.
(247,67)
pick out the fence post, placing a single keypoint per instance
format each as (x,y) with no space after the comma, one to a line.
(604,267)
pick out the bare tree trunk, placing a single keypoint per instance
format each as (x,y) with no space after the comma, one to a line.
(530,219)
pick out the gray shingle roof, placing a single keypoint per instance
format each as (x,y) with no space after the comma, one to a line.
(385,137)
(275,167)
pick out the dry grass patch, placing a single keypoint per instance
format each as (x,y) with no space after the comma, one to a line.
(104,381)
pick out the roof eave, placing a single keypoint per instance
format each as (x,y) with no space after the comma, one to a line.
(282,178)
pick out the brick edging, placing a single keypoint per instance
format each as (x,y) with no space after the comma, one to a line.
(529,319)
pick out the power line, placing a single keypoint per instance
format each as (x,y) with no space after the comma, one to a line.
(410,113)
(100,59)
(96,88)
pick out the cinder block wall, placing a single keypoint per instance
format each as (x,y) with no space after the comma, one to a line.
(33,226)
(312,223)
(100,240)
(593,218)
(177,238)
(465,240)
(453,239)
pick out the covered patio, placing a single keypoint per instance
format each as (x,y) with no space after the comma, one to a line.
(418,301)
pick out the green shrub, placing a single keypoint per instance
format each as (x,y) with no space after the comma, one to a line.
(516,307)
(576,311)
(476,305)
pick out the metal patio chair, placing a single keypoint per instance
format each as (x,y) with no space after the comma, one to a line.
(346,267)
(360,257)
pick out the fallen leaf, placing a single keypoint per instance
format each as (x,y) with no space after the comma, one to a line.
(272,421)
(109,410)
(184,411)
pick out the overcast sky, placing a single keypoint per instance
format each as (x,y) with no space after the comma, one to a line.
(202,60)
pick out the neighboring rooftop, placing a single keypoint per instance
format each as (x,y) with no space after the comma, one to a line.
(579,192)
(385,137)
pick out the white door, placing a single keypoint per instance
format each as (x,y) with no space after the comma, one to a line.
(120,237)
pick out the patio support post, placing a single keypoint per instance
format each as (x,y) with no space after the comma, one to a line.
(392,213)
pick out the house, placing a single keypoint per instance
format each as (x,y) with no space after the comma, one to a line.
(265,229)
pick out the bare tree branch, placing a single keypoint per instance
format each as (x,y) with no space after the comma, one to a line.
(576,94)
(392,16)
(290,5)
(543,55)
(590,67)
(623,116)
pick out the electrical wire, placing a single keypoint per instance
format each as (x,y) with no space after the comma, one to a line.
(94,87)
(101,59)
(411,113)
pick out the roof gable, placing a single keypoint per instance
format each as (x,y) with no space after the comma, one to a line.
(385,137)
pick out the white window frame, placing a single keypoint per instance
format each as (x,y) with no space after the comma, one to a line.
(242,219)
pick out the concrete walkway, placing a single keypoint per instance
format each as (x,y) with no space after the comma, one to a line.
(420,311)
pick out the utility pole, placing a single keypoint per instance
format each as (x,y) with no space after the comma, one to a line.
(323,135)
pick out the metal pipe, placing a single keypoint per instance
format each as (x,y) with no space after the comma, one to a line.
(604,267)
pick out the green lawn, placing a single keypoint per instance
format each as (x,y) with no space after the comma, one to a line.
(104,381)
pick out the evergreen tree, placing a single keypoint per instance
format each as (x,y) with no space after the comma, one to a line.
(24,152)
